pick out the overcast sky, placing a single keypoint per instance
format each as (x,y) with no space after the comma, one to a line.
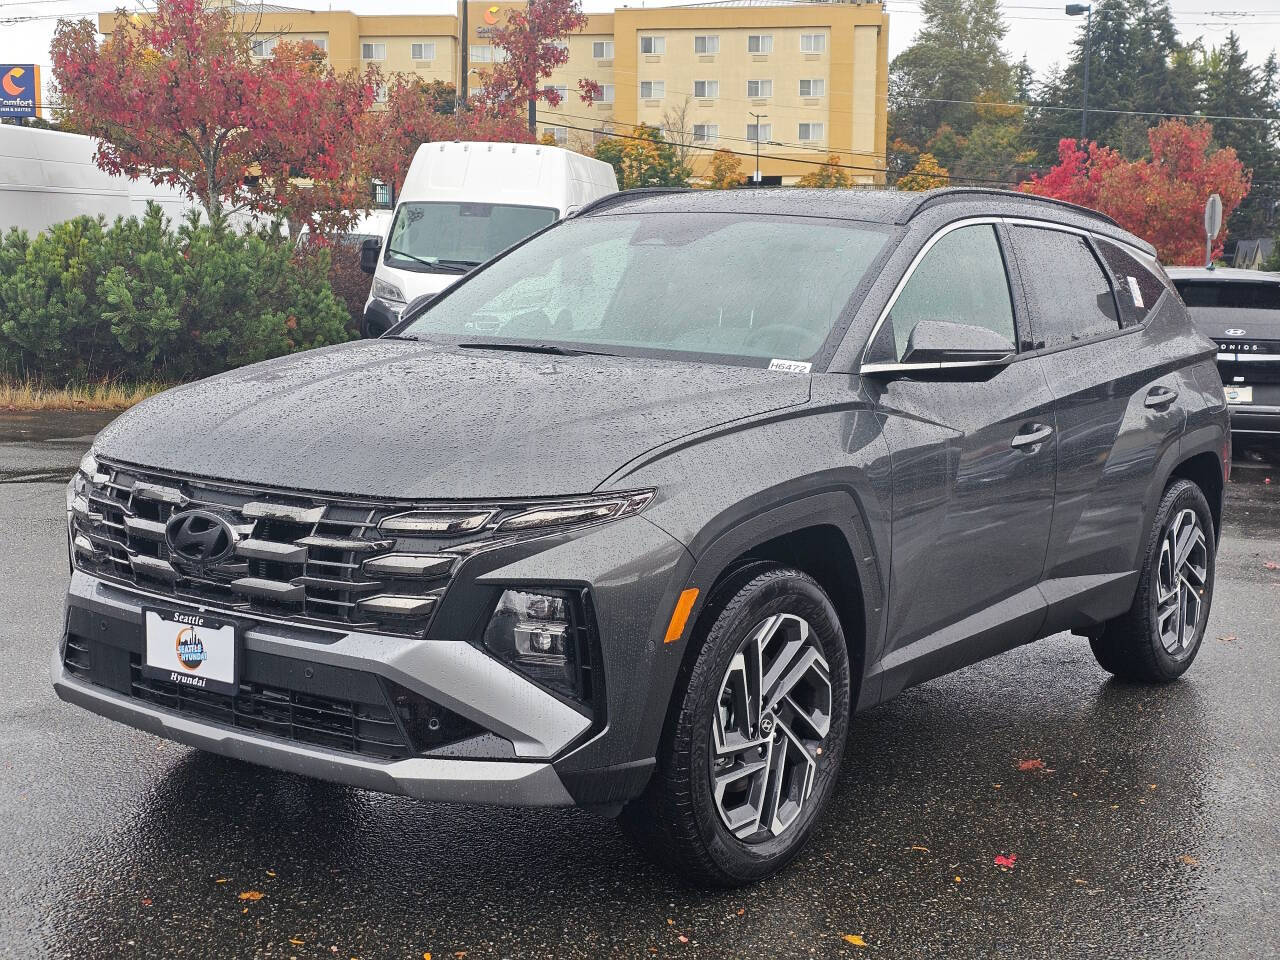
(1037,28)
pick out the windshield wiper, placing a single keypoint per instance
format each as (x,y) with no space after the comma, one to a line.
(461,265)
(552,348)
(412,256)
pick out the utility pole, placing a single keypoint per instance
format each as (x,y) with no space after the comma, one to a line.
(464,51)
(757,117)
(1075,10)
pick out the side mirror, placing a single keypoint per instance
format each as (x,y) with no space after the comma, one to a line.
(369,252)
(938,346)
(416,307)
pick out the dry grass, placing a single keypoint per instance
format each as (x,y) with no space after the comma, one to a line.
(18,395)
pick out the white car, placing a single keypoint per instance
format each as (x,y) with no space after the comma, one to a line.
(464,203)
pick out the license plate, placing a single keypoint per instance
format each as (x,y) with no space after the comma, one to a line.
(192,649)
(1239,394)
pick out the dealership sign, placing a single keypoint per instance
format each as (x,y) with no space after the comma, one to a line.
(19,89)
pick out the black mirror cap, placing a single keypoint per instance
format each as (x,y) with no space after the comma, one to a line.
(377,320)
(944,341)
(369,252)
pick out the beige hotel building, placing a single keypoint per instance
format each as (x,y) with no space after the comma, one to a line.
(816,73)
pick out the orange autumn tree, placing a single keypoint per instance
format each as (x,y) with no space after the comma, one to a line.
(1162,199)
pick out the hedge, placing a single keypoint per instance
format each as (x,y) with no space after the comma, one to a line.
(141,302)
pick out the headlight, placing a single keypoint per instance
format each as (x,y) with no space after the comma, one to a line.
(387,291)
(543,635)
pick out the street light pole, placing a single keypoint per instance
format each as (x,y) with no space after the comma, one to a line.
(757,117)
(463,51)
(1074,10)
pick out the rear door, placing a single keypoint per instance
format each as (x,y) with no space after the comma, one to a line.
(972,477)
(1093,305)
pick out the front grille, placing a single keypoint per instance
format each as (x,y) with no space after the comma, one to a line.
(340,709)
(295,557)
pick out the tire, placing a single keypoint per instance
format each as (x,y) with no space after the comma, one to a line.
(1152,642)
(681,821)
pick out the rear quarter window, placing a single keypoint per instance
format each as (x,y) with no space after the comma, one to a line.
(1140,281)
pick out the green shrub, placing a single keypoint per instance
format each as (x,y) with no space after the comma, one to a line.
(140,302)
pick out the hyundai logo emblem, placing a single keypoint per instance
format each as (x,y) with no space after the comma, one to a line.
(1235,332)
(200,536)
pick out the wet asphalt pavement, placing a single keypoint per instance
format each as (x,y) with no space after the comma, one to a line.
(1144,822)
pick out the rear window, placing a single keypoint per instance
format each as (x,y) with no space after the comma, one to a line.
(1240,295)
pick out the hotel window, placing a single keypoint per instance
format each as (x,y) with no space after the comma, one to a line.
(706,89)
(422,51)
(653,45)
(481,53)
(322,43)
(810,131)
(813,43)
(606,93)
(707,45)
(652,89)
(264,48)
(380,93)
(760,131)
(602,49)
(757,89)
(705,131)
(760,43)
(373,51)
(813,88)
(561,90)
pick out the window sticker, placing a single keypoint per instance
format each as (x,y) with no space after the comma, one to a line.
(1136,292)
(790,366)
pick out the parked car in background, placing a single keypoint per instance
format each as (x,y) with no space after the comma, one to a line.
(1240,311)
(463,203)
(636,515)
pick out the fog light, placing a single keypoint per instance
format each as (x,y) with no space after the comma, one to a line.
(537,634)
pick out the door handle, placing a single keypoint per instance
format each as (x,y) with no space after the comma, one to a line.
(1039,434)
(1160,397)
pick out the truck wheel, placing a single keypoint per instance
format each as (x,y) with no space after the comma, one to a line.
(755,736)
(1159,637)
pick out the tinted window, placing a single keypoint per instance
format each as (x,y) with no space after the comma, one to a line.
(706,283)
(1229,293)
(1069,294)
(1141,284)
(960,280)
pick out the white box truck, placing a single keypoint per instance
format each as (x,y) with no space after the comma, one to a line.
(464,203)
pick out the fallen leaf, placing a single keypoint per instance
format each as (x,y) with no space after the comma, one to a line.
(1006,862)
(271,873)
(1189,861)
(146,901)
(251,895)
(221,880)
(921,849)
(426,955)
(1036,764)
(958,880)
(295,941)
(854,939)
(682,938)
(741,911)
(1271,565)
(1229,638)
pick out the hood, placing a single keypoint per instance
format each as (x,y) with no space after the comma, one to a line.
(398,419)
(1256,324)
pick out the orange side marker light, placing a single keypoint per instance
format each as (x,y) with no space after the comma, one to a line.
(680,615)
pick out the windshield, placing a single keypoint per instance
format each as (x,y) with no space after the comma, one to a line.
(705,283)
(1237,294)
(431,236)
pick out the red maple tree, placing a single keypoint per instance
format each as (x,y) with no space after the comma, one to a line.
(179,99)
(1162,199)
(532,39)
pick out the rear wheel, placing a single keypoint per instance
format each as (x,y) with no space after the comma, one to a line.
(754,744)
(1159,637)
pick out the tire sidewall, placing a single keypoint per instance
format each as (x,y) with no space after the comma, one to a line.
(1183,496)
(779,591)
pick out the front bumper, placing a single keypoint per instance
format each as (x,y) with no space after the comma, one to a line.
(527,724)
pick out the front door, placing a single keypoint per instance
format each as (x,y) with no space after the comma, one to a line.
(973,474)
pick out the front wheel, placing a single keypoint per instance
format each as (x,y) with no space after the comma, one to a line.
(755,740)
(1159,637)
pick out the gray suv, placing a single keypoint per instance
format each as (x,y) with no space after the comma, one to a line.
(637,515)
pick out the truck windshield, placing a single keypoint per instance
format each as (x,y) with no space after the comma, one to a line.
(732,285)
(430,236)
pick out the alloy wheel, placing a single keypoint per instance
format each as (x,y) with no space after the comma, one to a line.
(1181,580)
(773,714)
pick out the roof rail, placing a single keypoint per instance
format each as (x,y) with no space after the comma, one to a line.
(635,193)
(946,193)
